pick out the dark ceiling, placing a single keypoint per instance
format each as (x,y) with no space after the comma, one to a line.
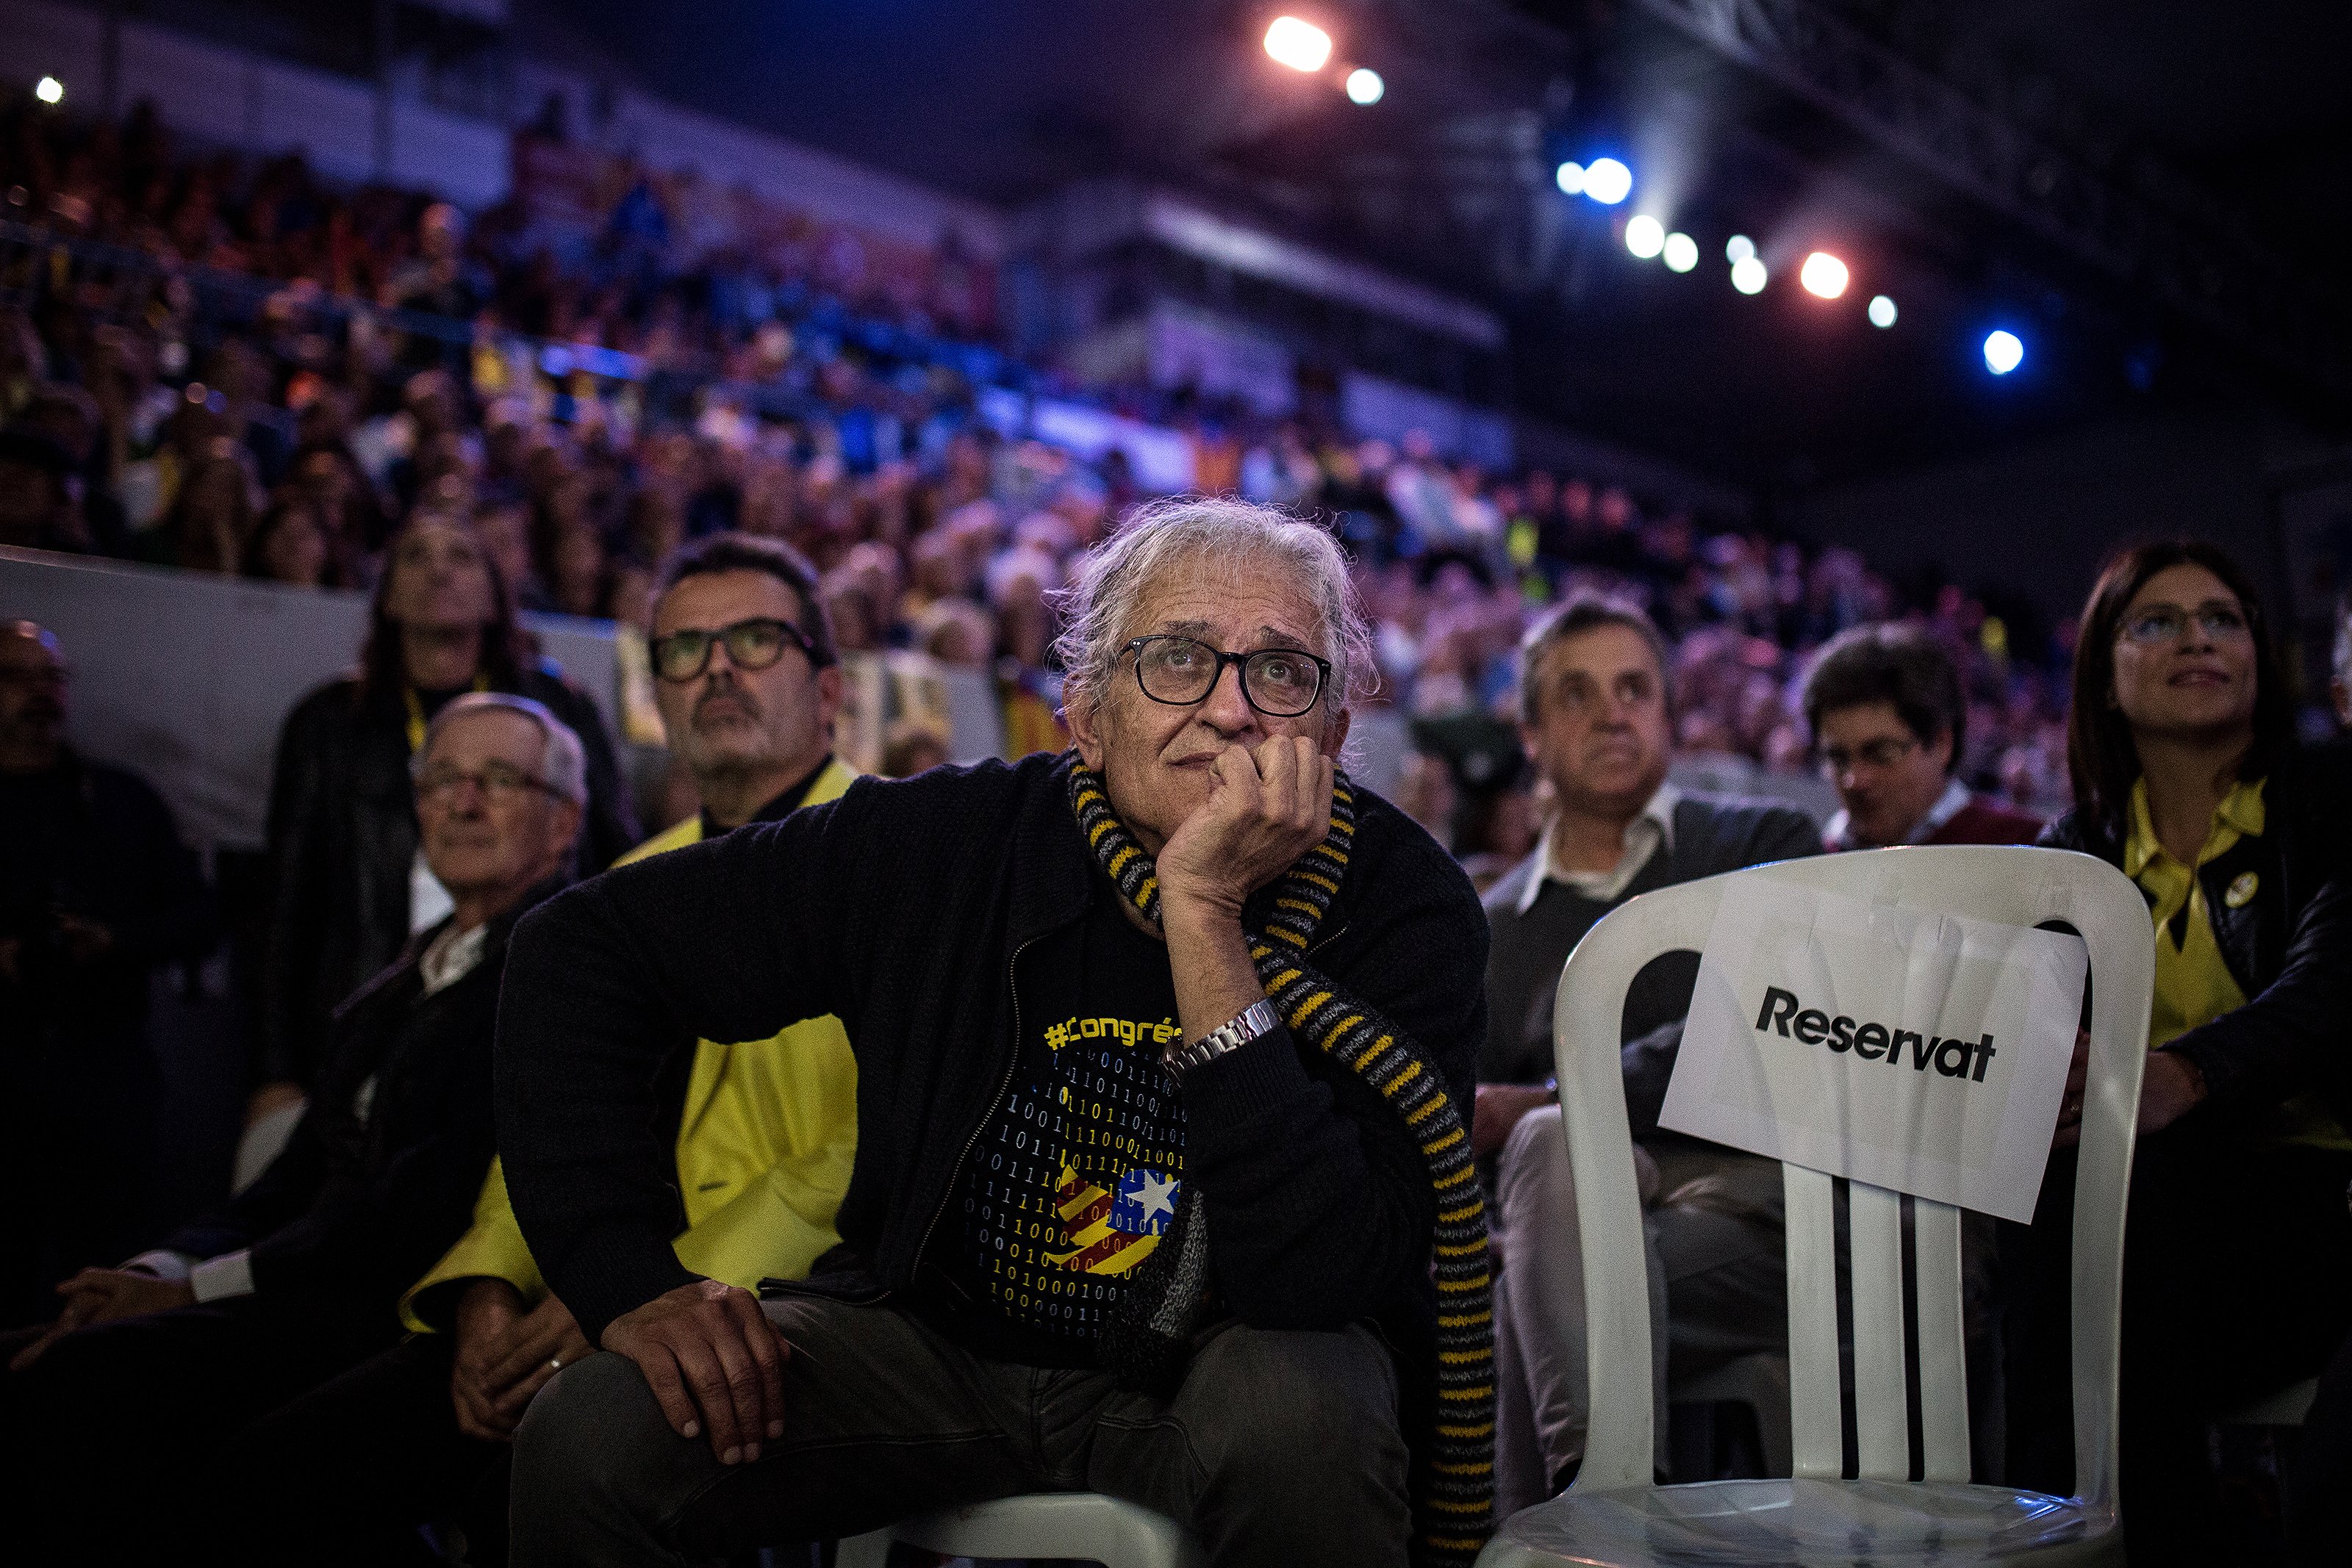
(2236,115)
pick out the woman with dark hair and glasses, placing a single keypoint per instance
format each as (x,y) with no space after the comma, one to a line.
(2238,1257)
(351,887)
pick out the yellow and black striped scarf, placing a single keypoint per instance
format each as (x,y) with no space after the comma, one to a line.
(1148,1339)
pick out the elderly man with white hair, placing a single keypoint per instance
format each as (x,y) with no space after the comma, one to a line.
(1161,1189)
(111,1421)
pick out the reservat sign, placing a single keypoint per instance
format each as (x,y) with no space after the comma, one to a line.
(1918,1051)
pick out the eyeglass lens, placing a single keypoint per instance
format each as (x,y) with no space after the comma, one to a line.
(498,778)
(750,645)
(1280,682)
(2166,623)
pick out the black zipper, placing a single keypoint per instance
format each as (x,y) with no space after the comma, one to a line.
(1012,1065)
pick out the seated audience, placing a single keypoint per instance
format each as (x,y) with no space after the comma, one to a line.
(96,891)
(1055,975)
(764,1129)
(1595,717)
(1890,724)
(2237,1249)
(352,883)
(109,1421)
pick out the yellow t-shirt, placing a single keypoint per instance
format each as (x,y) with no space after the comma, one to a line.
(2193,982)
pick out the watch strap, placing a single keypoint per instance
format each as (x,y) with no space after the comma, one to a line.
(1254,1021)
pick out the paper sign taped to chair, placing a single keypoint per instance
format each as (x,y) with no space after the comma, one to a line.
(1921,1052)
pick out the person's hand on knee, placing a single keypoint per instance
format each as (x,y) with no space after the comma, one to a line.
(99,1296)
(488,1314)
(543,1344)
(713,1361)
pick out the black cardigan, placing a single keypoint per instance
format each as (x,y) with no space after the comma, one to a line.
(904,909)
(2289,946)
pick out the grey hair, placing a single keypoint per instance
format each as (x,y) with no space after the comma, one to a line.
(1109,581)
(562,769)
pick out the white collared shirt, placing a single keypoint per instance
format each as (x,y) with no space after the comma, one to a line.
(1838,835)
(1645,835)
(451,957)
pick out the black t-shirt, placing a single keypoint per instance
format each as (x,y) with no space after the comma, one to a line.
(1075,1179)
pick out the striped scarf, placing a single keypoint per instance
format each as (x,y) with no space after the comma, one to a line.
(1148,1339)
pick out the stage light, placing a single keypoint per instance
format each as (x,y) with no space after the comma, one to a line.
(1882,311)
(49,90)
(1365,86)
(2003,350)
(1645,236)
(1570,178)
(1824,275)
(1739,248)
(1301,46)
(1747,274)
(1682,253)
(1608,181)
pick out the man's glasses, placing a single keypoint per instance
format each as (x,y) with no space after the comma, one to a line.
(1281,682)
(2162,623)
(751,644)
(1885,752)
(501,783)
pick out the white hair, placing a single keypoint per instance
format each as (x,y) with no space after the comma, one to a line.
(563,768)
(1111,580)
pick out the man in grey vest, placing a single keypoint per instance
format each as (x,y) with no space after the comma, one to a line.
(1595,715)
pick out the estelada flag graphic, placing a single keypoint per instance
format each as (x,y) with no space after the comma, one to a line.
(1108,1233)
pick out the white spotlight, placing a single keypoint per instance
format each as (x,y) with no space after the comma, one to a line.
(2003,352)
(1682,253)
(1301,46)
(1824,275)
(1365,86)
(1645,236)
(49,90)
(1739,248)
(1882,311)
(1747,274)
(1608,181)
(1569,177)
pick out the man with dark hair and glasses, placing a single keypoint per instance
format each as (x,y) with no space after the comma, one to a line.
(1890,724)
(112,1424)
(1163,1048)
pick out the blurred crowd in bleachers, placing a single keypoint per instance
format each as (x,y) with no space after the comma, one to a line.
(230,366)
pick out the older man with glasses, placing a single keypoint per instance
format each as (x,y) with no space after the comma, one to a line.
(109,1423)
(1162,1189)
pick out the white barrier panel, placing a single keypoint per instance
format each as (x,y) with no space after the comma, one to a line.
(1920,1052)
(184,678)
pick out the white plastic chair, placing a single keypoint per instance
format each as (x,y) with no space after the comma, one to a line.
(1083,1526)
(1612,1514)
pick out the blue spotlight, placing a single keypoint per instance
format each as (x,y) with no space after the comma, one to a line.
(2003,352)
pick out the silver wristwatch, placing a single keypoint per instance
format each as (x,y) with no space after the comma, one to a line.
(1254,1021)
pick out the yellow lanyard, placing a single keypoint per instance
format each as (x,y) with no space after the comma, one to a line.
(417,713)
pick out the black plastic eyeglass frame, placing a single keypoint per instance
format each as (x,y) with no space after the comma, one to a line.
(1322,673)
(793,634)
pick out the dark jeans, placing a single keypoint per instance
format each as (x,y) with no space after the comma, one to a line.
(2237,1282)
(347,1472)
(1280,1447)
(109,1443)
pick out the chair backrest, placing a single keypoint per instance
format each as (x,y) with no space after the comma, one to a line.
(2014,885)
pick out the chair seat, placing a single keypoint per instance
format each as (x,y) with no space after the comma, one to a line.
(1082,1526)
(1846,1523)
